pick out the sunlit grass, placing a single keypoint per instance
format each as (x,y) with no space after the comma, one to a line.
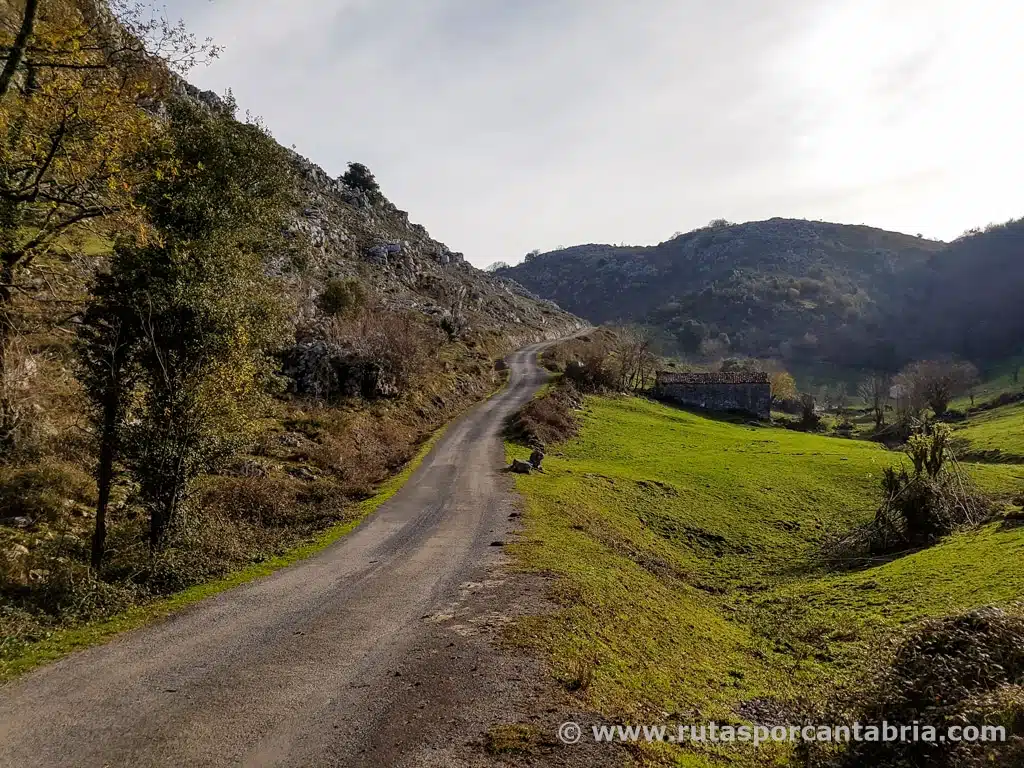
(685,547)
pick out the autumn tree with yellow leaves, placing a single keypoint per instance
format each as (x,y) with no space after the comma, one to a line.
(79,93)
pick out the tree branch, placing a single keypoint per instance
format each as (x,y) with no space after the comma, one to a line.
(18,49)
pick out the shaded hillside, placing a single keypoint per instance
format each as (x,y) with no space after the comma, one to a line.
(779,287)
(967,298)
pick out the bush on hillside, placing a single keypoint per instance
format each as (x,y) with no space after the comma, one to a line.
(592,374)
(934,499)
(810,421)
(965,670)
(358,176)
(44,491)
(547,419)
(372,356)
(342,297)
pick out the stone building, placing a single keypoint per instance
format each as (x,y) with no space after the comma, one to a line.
(734,391)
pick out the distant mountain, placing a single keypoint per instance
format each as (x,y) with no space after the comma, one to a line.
(783,287)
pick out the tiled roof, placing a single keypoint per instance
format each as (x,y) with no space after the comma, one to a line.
(709,378)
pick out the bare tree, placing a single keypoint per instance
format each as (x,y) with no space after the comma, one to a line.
(935,383)
(634,357)
(875,391)
(834,398)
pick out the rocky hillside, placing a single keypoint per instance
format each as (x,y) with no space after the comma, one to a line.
(353,235)
(383,334)
(781,287)
(349,233)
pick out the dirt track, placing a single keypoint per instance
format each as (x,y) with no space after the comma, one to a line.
(373,652)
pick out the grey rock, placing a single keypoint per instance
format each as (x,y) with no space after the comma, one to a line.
(521,467)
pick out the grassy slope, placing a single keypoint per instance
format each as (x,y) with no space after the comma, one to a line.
(682,545)
(1001,429)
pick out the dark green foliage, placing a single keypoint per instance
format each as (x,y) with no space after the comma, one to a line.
(805,291)
(358,176)
(232,182)
(209,316)
(800,290)
(108,344)
(739,365)
(342,296)
(966,300)
(175,341)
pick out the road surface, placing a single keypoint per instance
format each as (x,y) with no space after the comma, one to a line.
(301,668)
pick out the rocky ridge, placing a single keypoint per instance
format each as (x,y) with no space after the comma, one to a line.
(351,235)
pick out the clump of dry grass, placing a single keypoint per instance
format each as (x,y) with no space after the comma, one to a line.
(547,419)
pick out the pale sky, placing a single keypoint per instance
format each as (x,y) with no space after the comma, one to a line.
(508,125)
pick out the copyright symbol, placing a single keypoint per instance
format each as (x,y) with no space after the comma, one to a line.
(570,733)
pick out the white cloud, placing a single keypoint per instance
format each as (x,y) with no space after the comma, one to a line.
(508,126)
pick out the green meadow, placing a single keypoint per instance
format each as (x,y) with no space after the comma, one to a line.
(1001,429)
(684,556)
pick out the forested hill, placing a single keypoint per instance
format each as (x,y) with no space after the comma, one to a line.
(967,298)
(777,287)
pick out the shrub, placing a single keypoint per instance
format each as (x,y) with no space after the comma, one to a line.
(70,591)
(374,356)
(43,491)
(962,670)
(259,500)
(546,419)
(935,499)
(342,297)
(845,427)
(810,421)
(792,406)
(591,374)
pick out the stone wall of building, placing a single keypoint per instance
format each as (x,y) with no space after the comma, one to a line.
(750,393)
